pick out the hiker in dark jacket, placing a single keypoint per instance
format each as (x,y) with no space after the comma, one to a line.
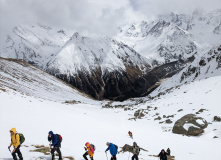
(136,151)
(163,155)
(56,144)
(168,151)
(113,150)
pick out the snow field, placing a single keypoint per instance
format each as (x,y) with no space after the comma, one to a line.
(81,123)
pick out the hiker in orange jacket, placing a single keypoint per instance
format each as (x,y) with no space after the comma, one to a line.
(15,142)
(130,134)
(89,151)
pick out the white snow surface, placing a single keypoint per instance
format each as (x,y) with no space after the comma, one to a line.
(200,121)
(188,125)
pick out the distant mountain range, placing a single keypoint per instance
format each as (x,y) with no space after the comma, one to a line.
(129,64)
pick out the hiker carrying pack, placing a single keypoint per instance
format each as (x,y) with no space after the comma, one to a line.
(22,137)
(136,151)
(168,151)
(130,134)
(16,143)
(163,155)
(113,150)
(56,144)
(90,148)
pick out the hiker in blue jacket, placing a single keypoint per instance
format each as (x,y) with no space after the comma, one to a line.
(113,150)
(56,144)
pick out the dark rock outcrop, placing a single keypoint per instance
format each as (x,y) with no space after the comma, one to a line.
(217,119)
(195,129)
(168,121)
(139,114)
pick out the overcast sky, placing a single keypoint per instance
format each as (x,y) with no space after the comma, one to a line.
(92,16)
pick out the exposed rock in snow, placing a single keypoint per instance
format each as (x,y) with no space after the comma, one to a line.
(190,125)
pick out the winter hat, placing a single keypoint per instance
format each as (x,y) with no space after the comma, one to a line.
(86,143)
(50,133)
(108,143)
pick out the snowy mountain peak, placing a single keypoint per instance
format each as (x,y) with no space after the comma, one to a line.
(160,41)
(75,35)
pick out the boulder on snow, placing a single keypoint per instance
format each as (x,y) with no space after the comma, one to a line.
(216,118)
(190,125)
(139,114)
(168,121)
(129,148)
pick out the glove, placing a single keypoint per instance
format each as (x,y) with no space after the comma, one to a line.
(85,148)
(9,147)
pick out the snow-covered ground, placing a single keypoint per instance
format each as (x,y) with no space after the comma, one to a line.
(80,123)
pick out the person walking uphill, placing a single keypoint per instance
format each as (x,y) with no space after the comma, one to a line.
(15,142)
(89,151)
(163,155)
(136,151)
(113,150)
(56,144)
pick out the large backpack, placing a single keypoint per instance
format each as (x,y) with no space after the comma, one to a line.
(59,137)
(116,147)
(22,137)
(93,146)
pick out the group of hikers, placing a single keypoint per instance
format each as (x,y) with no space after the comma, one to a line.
(17,139)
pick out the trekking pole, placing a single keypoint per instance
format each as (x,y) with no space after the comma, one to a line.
(129,155)
(9,150)
(106,155)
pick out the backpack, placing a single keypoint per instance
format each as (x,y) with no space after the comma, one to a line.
(59,137)
(22,137)
(93,146)
(116,147)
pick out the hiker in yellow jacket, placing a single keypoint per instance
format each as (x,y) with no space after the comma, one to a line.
(15,142)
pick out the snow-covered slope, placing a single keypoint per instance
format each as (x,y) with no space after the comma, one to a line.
(209,65)
(90,54)
(35,44)
(22,77)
